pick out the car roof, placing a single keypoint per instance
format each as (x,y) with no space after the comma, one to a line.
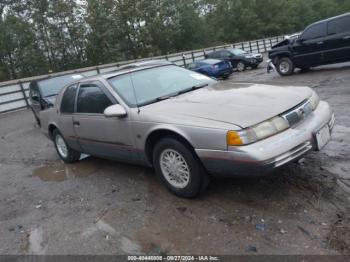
(329,19)
(208,61)
(126,69)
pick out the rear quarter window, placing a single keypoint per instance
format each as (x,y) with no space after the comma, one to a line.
(339,25)
(68,99)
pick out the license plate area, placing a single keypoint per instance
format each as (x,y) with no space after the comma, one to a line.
(322,137)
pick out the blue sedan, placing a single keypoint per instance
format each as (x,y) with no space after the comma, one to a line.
(212,68)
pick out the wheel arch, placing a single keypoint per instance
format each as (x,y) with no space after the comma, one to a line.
(276,56)
(52,127)
(155,135)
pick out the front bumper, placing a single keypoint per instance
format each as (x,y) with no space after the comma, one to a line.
(270,153)
(270,66)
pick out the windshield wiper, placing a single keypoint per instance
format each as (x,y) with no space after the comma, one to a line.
(51,95)
(161,98)
(191,89)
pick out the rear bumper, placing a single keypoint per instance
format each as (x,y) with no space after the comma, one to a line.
(224,72)
(255,63)
(270,153)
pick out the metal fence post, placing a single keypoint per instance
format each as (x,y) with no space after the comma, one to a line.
(257,45)
(265,49)
(184,59)
(192,56)
(250,46)
(23,93)
(98,70)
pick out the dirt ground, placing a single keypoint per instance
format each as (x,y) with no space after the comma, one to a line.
(102,207)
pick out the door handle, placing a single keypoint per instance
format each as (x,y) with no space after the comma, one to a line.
(76,123)
(346,37)
(320,42)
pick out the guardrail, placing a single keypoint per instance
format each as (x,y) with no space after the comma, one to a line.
(14,94)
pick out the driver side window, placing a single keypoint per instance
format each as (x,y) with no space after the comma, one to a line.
(225,55)
(315,31)
(91,99)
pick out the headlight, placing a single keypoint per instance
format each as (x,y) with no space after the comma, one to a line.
(314,100)
(257,132)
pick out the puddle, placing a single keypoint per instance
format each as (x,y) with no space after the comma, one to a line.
(62,172)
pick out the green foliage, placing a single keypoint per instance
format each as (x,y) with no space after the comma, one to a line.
(42,36)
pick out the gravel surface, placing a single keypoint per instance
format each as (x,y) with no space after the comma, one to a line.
(103,207)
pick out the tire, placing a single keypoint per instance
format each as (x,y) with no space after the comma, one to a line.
(285,66)
(68,155)
(241,66)
(226,77)
(194,178)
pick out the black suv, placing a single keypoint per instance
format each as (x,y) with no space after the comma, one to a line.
(238,58)
(324,42)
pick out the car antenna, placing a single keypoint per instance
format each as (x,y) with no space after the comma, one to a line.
(134,91)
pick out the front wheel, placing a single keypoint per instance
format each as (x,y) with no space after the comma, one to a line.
(67,154)
(241,66)
(285,66)
(178,168)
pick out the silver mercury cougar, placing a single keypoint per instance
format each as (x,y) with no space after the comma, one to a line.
(187,126)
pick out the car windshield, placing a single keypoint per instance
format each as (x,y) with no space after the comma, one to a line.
(239,52)
(53,86)
(151,85)
(210,61)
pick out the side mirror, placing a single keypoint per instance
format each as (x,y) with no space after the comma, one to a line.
(300,40)
(35,98)
(115,111)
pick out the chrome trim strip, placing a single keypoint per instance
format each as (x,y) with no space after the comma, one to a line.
(292,154)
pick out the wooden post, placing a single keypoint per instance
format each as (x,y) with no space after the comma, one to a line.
(192,56)
(184,59)
(250,46)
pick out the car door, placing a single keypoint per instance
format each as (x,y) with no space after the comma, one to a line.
(309,48)
(97,134)
(229,57)
(65,121)
(34,96)
(338,40)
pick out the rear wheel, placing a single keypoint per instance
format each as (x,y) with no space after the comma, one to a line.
(285,66)
(67,154)
(241,66)
(179,169)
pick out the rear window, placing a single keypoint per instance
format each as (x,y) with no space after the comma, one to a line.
(315,31)
(67,104)
(338,26)
(213,55)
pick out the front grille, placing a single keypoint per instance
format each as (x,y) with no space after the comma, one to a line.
(298,113)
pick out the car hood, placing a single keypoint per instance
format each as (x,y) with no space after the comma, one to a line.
(240,104)
(252,55)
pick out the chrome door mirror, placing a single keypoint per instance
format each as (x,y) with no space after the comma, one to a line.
(115,111)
